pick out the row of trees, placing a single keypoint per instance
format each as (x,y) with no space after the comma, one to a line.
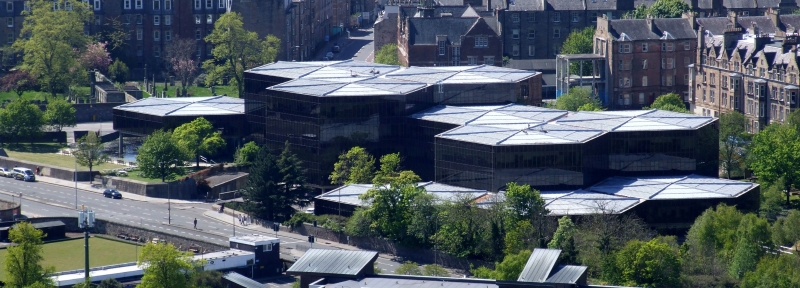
(21,119)
(582,99)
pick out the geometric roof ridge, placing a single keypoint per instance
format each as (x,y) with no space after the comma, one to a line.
(668,186)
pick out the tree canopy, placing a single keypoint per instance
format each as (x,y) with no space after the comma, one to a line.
(18,81)
(89,151)
(160,157)
(276,186)
(775,153)
(660,9)
(387,55)
(59,114)
(166,267)
(578,99)
(732,141)
(579,42)
(20,119)
(23,263)
(198,137)
(355,166)
(669,102)
(247,153)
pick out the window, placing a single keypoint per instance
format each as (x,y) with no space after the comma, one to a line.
(167,4)
(713,79)
(157,35)
(27,5)
(127,4)
(221,3)
(627,99)
(644,81)
(139,4)
(515,50)
(156,4)
(594,17)
(138,18)
(98,19)
(556,33)
(441,47)
(481,41)
(514,33)
(685,79)
(515,17)
(524,91)
(687,46)
(198,35)
(168,35)
(532,34)
(209,19)
(198,51)
(10,22)
(139,34)
(10,38)
(167,20)
(156,51)
(723,81)
(267,247)
(625,48)
(644,64)
(209,4)
(574,17)
(97,5)
(197,5)
(724,99)
(641,98)
(10,6)
(197,19)
(667,46)
(156,20)
(711,96)
(531,50)
(625,82)
(624,65)
(557,17)
(667,63)
(472,60)
(644,47)
(531,17)
(671,80)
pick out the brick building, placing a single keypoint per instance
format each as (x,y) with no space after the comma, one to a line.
(645,58)
(448,41)
(747,64)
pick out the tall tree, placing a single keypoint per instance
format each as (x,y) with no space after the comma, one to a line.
(110,283)
(564,239)
(182,61)
(649,264)
(23,263)
(579,42)
(775,153)
(246,154)
(60,114)
(208,279)
(732,141)
(754,236)
(160,157)
(293,190)
(464,230)
(387,55)
(118,71)
(355,166)
(89,151)
(774,272)
(53,36)
(390,207)
(262,185)
(669,102)
(640,12)
(668,9)
(526,204)
(18,81)
(95,57)
(578,99)
(198,137)
(21,119)
(166,267)
(236,50)
(424,218)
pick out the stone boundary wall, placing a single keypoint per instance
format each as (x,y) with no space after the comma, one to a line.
(185,189)
(50,171)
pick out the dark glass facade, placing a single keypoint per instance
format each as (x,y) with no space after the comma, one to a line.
(144,124)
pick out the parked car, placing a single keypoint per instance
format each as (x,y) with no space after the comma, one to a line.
(329,55)
(24,174)
(112,193)
(335,48)
(5,172)
(310,211)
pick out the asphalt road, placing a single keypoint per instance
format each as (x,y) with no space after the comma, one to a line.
(43,199)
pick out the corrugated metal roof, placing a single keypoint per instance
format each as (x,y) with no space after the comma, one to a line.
(539,265)
(339,262)
(243,281)
(569,274)
(186,106)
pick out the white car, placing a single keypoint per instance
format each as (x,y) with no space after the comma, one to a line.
(5,172)
(310,211)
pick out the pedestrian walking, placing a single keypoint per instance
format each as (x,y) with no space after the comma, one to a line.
(195,223)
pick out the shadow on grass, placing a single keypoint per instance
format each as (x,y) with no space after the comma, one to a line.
(35,147)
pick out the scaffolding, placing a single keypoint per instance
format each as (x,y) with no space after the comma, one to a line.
(582,70)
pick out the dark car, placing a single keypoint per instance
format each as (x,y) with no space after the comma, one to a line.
(112,193)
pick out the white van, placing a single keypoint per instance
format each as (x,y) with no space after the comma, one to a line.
(24,174)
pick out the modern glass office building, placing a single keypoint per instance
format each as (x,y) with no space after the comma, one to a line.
(142,117)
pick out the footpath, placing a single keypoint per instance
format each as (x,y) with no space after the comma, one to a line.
(85,186)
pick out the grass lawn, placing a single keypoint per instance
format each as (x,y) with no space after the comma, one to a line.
(40,95)
(68,255)
(134,175)
(45,153)
(198,91)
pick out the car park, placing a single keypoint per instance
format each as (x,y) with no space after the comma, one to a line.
(112,193)
(24,174)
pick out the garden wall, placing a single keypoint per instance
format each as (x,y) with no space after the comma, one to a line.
(50,171)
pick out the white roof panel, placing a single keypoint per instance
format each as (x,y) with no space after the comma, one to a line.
(186,106)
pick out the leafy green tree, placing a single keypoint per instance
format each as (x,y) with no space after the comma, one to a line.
(21,119)
(775,156)
(359,225)
(649,264)
(434,270)
(564,239)
(669,102)
(53,37)
(576,98)
(771,200)
(387,55)
(110,283)
(508,270)
(160,157)
(89,151)
(732,141)
(715,230)
(463,232)
(247,153)
(590,107)
(356,166)
(23,262)
(408,268)
(118,71)
(753,235)
(518,236)
(774,272)
(60,114)
(785,232)
(793,119)
(579,42)
(390,205)
(424,218)
(640,12)
(668,9)
(292,187)
(208,279)
(390,171)
(198,137)
(236,50)
(166,267)
(601,235)
(526,204)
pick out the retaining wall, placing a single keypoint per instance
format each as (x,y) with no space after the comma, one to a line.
(8,210)
(181,189)
(50,171)
(51,137)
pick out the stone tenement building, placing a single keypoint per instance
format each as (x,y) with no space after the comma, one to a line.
(645,58)
(747,64)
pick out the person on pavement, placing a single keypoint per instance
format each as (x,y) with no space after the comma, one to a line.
(195,223)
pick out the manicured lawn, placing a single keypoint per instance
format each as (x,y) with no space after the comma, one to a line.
(134,175)
(198,91)
(39,95)
(68,255)
(46,154)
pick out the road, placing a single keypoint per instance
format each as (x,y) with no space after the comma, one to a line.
(358,47)
(47,200)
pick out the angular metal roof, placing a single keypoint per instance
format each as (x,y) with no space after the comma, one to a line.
(186,106)
(539,265)
(569,274)
(521,134)
(409,281)
(339,262)
(636,120)
(349,194)
(243,281)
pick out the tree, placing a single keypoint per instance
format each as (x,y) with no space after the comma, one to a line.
(198,137)
(590,107)
(424,218)
(564,239)
(356,166)
(579,42)
(463,232)
(732,141)
(649,264)
(526,204)
(89,151)
(59,114)
(21,119)
(389,208)
(785,232)
(246,154)
(293,191)
(408,268)
(775,154)
(160,157)
(95,57)
(601,235)
(774,272)
(668,9)
(262,185)
(508,270)
(118,71)
(18,81)
(165,267)
(434,270)
(387,55)
(110,283)
(208,279)
(640,12)
(182,63)
(236,50)
(54,35)
(23,263)
(753,236)
(576,98)
(669,102)
(359,225)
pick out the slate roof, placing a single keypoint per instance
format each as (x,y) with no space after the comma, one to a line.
(340,262)
(455,10)
(450,2)
(563,5)
(186,106)
(637,29)
(526,5)
(423,31)
(243,281)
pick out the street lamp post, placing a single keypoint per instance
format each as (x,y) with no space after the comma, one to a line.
(75,176)
(86,221)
